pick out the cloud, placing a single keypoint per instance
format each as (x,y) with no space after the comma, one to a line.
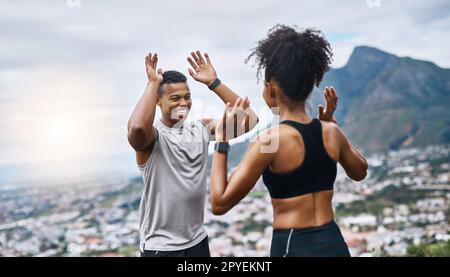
(58,113)
(102,44)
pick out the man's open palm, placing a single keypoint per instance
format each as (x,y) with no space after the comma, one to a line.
(203,71)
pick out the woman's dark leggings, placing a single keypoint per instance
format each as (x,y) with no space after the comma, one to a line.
(322,241)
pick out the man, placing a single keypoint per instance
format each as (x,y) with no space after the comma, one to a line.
(172,154)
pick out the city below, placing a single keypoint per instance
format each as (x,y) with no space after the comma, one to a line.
(403,203)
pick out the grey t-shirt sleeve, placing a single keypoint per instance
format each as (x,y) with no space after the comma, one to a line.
(207,134)
(154,150)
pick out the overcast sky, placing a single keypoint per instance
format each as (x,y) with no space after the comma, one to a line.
(81,69)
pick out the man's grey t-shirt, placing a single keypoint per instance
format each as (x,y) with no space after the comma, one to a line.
(173,201)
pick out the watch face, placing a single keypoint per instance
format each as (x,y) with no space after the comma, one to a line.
(222,147)
(214,84)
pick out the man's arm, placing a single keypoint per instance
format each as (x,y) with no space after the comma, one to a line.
(205,73)
(141,133)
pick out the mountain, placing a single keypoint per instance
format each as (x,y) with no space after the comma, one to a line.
(388,102)
(385,102)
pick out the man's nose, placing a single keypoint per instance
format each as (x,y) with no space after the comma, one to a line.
(183,103)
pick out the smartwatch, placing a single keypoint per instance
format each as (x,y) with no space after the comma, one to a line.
(222,147)
(214,84)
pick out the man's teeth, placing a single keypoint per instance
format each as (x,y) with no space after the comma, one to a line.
(180,112)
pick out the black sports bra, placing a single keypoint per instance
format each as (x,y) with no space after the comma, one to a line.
(316,173)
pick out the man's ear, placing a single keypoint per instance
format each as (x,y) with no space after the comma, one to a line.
(158,101)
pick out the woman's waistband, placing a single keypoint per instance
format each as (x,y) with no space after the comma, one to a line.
(326,226)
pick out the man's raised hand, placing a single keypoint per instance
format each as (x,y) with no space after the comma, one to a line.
(202,70)
(151,62)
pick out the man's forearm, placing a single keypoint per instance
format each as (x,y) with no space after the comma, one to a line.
(226,94)
(229,96)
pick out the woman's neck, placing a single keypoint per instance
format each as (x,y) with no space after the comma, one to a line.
(295,112)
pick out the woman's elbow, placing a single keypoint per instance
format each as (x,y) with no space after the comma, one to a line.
(365,165)
(359,176)
(218,209)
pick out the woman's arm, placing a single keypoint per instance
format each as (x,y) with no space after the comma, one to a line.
(226,193)
(353,162)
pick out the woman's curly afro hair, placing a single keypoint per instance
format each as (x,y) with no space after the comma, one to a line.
(297,60)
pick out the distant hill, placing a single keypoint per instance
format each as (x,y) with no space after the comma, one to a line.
(388,102)
(385,102)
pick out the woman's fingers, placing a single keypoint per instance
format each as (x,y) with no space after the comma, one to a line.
(221,125)
(237,115)
(335,97)
(225,113)
(232,111)
(240,107)
(244,103)
(330,96)
(227,110)
(321,111)
(244,123)
(244,116)
(327,99)
(237,103)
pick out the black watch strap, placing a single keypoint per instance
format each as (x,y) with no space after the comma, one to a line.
(222,147)
(214,84)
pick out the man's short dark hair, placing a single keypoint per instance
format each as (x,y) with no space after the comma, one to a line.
(297,60)
(171,77)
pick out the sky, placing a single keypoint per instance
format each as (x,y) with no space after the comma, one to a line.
(72,71)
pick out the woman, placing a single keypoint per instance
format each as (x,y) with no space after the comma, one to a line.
(301,171)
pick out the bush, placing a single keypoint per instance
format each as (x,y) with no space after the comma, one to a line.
(429,250)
